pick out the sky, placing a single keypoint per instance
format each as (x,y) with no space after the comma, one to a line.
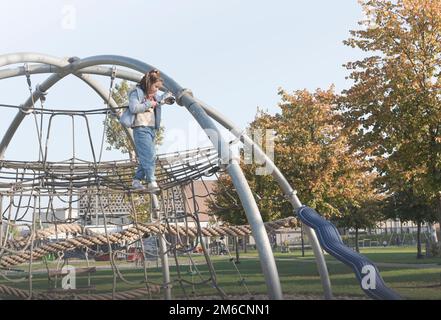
(234,55)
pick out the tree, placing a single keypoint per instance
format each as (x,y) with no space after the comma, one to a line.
(393,109)
(115,135)
(312,152)
(364,211)
(408,206)
(226,203)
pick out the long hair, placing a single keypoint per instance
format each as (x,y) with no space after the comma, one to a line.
(149,79)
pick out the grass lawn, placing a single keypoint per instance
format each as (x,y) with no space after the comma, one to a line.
(403,255)
(298,275)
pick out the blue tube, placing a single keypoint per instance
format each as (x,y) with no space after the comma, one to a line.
(365,270)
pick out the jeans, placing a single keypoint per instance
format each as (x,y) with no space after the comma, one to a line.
(145,149)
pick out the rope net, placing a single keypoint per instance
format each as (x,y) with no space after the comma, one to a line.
(28,191)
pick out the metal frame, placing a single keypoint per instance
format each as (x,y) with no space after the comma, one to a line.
(60,68)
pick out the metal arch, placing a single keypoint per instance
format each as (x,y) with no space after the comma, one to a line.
(79,64)
(19,57)
(67,68)
(130,63)
(30,57)
(97,70)
(267,260)
(61,66)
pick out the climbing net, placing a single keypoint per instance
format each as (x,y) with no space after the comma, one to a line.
(162,227)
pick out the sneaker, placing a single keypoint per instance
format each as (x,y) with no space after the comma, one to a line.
(152,187)
(136,184)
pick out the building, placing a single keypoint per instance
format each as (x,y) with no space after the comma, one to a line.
(177,203)
(395,226)
(109,211)
(57,216)
(202,190)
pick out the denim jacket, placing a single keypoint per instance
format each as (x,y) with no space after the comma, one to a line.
(138,104)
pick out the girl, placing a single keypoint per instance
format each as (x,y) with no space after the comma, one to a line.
(145,103)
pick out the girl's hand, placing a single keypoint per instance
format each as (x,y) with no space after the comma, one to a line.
(167,98)
(152,101)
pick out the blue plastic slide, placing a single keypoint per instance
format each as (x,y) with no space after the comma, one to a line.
(365,270)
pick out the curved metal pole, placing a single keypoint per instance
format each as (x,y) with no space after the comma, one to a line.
(286,188)
(19,57)
(96,70)
(126,62)
(129,75)
(260,235)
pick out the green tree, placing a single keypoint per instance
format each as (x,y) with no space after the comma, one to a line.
(393,109)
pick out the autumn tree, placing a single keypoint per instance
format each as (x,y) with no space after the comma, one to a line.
(313,154)
(393,109)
